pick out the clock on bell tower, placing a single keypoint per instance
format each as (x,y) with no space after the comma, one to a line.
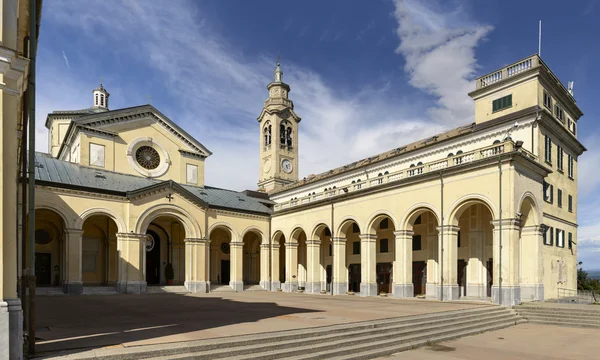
(278,137)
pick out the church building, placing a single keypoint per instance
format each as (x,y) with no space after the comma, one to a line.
(484,211)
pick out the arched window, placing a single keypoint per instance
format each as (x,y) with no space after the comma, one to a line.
(459,152)
(358,180)
(412,165)
(282,134)
(313,193)
(267,134)
(96,103)
(353,181)
(496,142)
(450,155)
(289,136)
(334,187)
(386,172)
(101,99)
(380,174)
(419,163)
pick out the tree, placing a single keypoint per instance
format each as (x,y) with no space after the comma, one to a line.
(585,283)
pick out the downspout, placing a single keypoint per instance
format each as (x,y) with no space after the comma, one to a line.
(269,285)
(332,253)
(442,235)
(500,230)
(208,242)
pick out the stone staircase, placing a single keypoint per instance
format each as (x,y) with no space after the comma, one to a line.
(221,288)
(571,315)
(169,289)
(359,340)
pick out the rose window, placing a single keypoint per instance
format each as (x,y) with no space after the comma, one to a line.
(147,157)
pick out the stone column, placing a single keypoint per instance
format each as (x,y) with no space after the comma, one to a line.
(403,278)
(214,264)
(196,254)
(132,263)
(275,280)
(532,284)
(237,266)
(73,283)
(433,269)
(448,263)
(368,263)
(313,262)
(340,272)
(264,267)
(506,273)
(291,267)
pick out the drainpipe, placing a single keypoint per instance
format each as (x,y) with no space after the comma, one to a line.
(500,230)
(270,256)
(332,253)
(442,234)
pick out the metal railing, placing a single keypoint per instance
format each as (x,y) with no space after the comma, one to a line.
(570,296)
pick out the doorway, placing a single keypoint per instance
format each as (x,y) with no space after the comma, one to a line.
(153,259)
(461,276)
(328,273)
(419,277)
(43,269)
(354,278)
(490,277)
(225,272)
(384,276)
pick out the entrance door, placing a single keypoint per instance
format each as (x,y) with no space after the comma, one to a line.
(225,268)
(328,273)
(419,277)
(354,278)
(461,276)
(490,277)
(43,269)
(153,259)
(384,275)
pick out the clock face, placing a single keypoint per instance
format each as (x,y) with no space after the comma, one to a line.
(286,165)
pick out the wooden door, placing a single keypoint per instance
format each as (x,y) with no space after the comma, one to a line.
(225,272)
(419,277)
(354,278)
(384,276)
(153,259)
(43,269)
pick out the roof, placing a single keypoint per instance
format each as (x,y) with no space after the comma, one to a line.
(402,150)
(53,172)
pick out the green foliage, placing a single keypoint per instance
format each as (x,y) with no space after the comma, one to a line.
(585,283)
(169,272)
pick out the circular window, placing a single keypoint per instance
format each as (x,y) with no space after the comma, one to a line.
(147,157)
(42,237)
(225,248)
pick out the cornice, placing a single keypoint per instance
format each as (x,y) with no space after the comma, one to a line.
(68,191)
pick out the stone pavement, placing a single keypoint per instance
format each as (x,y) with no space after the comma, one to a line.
(78,322)
(525,341)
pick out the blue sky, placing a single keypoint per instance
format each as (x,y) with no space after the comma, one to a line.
(366,76)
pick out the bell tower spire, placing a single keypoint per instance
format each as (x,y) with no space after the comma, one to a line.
(278,136)
(100,97)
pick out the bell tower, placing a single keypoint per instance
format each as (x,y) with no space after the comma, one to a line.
(278,137)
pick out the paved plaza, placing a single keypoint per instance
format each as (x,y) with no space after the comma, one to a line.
(76,322)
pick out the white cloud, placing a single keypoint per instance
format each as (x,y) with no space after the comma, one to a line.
(66,59)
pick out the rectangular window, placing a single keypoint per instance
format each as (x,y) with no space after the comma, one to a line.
(559,158)
(548,192)
(558,112)
(559,197)
(548,236)
(574,128)
(416,242)
(560,238)
(356,248)
(570,240)
(383,245)
(502,103)
(570,203)
(548,149)
(547,101)
(96,155)
(570,165)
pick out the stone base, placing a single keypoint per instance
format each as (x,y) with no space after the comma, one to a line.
(449,292)
(403,290)
(131,287)
(511,295)
(368,289)
(11,329)
(265,285)
(431,291)
(275,285)
(237,286)
(73,287)
(313,288)
(197,286)
(290,287)
(477,291)
(532,292)
(340,288)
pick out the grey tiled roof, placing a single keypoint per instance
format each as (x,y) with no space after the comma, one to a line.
(65,174)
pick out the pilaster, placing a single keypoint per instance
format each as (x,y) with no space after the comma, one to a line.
(196,259)
(237,258)
(291,261)
(368,262)
(73,283)
(505,289)
(313,262)
(532,284)
(340,272)
(131,248)
(402,270)
(264,267)
(275,280)
(448,289)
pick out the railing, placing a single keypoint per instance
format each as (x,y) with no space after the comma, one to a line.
(508,71)
(278,101)
(570,296)
(432,166)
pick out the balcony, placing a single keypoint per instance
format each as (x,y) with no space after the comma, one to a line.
(434,166)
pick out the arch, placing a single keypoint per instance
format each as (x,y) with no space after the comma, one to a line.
(277,235)
(528,199)
(223,225)
(122,228)
(414,211)
(67,214)
(295,234)
(191,227)
(376,217)
(460,205)
(253,228)
(344,223)
(318,227)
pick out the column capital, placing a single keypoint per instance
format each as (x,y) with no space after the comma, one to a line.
(367,237)
(512,224)
(291,245)
(265,246)
(192,241)
(532,230)
(404,233)
(448,228)
(275,246)
(131,237)
(313,242)
(338,240)
(236,244)
(74,232)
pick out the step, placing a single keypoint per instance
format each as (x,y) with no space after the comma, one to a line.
(290,348)
(221,288)
(584,317)
(573,320)
(564,323)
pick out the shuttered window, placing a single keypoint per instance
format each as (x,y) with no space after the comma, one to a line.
(548,236)
(559,158)
(548,192)
(570,205)
(548,149)
(502,103)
